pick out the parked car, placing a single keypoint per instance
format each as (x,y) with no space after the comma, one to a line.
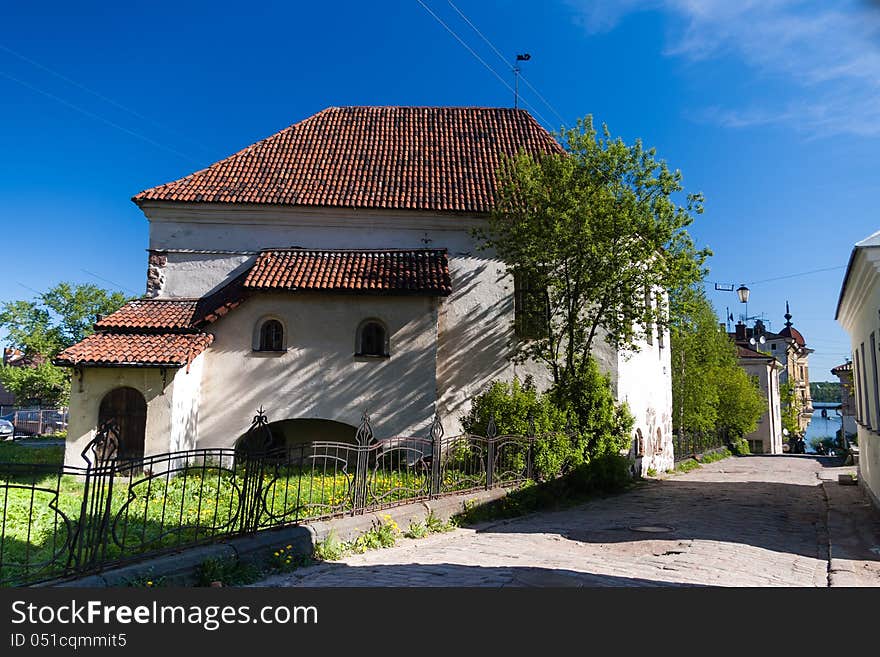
(7,431)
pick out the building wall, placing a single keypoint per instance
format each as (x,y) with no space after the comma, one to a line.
(645,384)
(318,376)
(85,402)
(769,430)
(185,408)
(449,348)
(859,317)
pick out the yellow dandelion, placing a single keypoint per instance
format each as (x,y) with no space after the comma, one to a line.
(150,583)
(289,547)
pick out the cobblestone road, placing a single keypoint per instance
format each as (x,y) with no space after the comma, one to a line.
(753,521)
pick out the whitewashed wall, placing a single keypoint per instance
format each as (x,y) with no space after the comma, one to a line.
(645,384)
(858,314)
(453,346)
(318,376)
(769,430)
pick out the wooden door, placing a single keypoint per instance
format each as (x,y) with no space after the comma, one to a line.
(128,410)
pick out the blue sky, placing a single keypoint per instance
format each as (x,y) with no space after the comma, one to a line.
(769,108)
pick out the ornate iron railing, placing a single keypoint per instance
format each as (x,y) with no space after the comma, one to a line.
(690,444)
(62,521)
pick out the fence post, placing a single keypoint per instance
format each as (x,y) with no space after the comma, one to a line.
(363,437)
(490,451)
(436,455)
(531,440)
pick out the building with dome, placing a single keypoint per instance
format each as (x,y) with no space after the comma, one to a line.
(789,348)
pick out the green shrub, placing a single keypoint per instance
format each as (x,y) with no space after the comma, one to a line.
(740,447)
(603,425)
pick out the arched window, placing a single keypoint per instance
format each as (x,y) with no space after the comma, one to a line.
(271,336)
(127,409)
(639,444)
(372,339)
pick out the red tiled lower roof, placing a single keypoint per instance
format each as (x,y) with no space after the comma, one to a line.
(167,314)
(746,352)
(175,315)
(417,271)
(150,350)
(411,158)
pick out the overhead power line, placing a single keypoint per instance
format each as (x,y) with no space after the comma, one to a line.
(98,117)
(503,59)
(101,96)
(546,123)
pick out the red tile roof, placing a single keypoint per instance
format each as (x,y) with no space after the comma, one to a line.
(746,352)
(164,314)
(417,271)
(108,349)
(845,367)
(175,315)
(412,158)
(792,333)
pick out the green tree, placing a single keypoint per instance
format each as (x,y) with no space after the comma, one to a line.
(740,402)
(596,230)
(45,326)
(709,389)
(790,408)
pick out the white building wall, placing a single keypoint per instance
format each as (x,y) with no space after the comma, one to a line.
(645,384)
(859,317)
(470,333)
(318,376)
(769,430)
(186,401)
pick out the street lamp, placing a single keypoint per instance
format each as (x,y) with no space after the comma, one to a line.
(743,293)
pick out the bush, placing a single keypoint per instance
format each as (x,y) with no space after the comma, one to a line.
(604,427)
(740,447)
(512,405)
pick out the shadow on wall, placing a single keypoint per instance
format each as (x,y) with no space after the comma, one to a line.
(476,343)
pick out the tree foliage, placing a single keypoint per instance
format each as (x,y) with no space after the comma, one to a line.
(43,327)
(596,228)
(709,390)
(790,409)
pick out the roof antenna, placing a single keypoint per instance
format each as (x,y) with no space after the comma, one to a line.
(524,57)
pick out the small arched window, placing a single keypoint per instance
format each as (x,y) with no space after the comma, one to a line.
(372,339)
(639,444)
(271,336)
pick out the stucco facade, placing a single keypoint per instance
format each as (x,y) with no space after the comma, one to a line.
(857,312)
(767,438)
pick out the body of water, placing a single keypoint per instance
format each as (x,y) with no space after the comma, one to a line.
(822,427)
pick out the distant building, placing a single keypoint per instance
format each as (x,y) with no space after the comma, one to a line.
(767,438)
(790,349)
(857,310)
(847,401)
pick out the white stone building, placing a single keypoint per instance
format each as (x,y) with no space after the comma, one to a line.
(857,312)
(767,438)
(326,271)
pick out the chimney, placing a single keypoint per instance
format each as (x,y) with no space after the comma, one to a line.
(740,331)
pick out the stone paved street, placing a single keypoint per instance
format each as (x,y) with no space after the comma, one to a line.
(751,521)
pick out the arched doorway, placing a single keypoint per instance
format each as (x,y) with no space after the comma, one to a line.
(285,434)
(127,408)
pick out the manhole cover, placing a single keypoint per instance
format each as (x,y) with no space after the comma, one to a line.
(653,529)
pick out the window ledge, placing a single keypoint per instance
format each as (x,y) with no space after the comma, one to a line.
(372,356)
(268,352)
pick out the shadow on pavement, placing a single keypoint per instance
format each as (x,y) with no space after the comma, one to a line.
(413,575)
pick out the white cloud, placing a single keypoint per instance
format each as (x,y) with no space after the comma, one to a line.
(825,56)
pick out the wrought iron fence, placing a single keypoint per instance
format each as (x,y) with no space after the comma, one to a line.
(689,444)
(63,521)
